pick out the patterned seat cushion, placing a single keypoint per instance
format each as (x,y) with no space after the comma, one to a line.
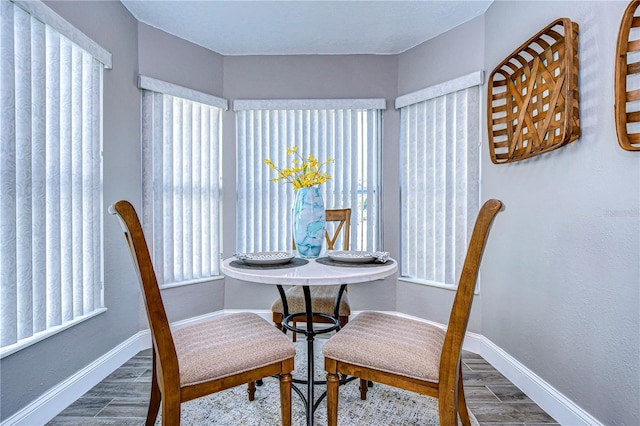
(323,298)
(389,343)
(228,345)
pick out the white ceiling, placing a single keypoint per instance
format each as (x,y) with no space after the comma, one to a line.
(236,27)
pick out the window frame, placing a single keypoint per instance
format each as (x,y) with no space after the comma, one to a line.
(298,122)
(91,59)
(151,87)
(472,82)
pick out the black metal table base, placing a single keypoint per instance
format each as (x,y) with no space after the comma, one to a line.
(310,403)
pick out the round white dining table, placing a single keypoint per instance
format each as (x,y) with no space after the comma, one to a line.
(312,273)
(307,273)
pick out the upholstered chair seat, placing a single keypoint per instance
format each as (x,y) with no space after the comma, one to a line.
(398,345)
(255,344)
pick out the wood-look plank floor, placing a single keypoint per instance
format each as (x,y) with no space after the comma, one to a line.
(121,398)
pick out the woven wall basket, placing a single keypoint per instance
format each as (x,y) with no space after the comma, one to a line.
(627,80)
(533,99)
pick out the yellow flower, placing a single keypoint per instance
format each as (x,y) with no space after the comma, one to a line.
(303,173)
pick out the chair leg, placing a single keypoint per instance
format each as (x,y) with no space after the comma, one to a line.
(448,415)
(171,410)
(285,399)
(332,399)
(276,317)
(447,409)
(462,403)
(156,396)
(251,390)
(277,321)
(364,387)
(343,320)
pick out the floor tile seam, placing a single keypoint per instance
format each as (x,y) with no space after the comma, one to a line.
(121,418)
(76,419)
(502,423)
(515,401)
(509,403)
(129,399)
(104,407)
(471,399)
(493,393)
(471,370)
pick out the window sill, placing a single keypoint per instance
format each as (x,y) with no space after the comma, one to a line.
(428,283)
(434,284)
(11,349)
(191,282)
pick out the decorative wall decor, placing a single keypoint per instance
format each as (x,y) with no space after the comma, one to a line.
(627,80)
(533,98)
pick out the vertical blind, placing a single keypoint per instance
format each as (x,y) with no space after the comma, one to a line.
(440,189)
(350,136)
(181,184)
(50,176)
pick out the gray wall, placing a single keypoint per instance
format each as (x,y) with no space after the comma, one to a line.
(311,77)
(560,278)
(30,372)
(168,58)
(561,284)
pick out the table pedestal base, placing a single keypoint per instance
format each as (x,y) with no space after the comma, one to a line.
(311,404)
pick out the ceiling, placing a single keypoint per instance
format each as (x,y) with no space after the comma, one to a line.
(237,27)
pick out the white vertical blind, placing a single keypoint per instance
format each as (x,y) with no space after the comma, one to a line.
(440,189)
(181,186)
(349,136)
(50,178)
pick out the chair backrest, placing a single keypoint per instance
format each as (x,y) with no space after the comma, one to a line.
(457,327)
(343,219)
(158,323)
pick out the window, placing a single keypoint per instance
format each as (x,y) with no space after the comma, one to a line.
(348,131)
(50,174)
(440,174)
(181,180)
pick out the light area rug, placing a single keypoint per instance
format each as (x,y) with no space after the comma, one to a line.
(384,405)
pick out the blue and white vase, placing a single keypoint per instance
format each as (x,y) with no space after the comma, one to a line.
(308,222)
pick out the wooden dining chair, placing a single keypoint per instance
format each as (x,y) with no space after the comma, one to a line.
(208,357)
(322,297)
(411,354)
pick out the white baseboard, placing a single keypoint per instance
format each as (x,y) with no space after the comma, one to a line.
(56,399)
(49,405)
(558,406)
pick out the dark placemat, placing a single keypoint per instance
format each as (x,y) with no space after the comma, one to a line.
(331,262)
(293,263)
